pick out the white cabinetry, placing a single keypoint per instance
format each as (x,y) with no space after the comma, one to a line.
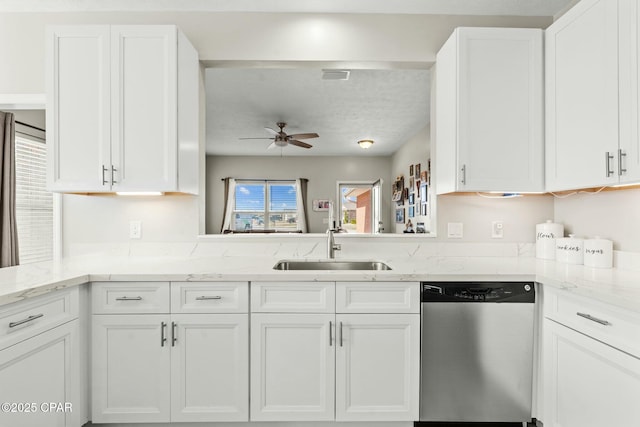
(39,362)
(151,365)
(305,358)
(591,363)
(489,111)
(122,109)
(592,77)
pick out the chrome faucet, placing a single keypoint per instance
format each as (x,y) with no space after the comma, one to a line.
(332,247)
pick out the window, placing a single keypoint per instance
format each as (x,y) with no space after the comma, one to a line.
(360,206)
(267,205)
(34,204)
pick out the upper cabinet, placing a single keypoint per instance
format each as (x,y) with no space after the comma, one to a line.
(592,96)
(122,109)
(489,111)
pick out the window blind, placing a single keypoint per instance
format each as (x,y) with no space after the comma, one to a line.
(34,204)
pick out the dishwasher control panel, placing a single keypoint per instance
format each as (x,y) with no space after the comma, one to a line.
(478,292)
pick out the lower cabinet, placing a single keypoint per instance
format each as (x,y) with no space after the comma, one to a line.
(39,380)
(377,367)
(161,368)
(320,366)
(588,383)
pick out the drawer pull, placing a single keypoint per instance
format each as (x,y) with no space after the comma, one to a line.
(23,321)
(594,319)
(129,299)
(205,298)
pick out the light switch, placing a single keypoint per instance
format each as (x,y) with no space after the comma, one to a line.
(497,230)
(454,230)
(135,229)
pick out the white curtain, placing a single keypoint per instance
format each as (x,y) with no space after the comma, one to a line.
(229,204)
(301,203)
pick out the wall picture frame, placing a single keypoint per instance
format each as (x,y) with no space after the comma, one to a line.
(417,171)
(400,216)
(320,205)
(411,170)
(411,211)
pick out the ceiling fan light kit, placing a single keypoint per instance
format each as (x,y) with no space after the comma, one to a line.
(365,143)
(281,139)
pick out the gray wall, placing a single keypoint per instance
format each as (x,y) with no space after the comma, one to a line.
(322,173)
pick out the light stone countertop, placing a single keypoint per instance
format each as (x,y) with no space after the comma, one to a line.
(614,286)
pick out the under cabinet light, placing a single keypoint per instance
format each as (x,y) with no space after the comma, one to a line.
(139,193)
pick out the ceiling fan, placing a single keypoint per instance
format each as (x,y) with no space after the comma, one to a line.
(281,139)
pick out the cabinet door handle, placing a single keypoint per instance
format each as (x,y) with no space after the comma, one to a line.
(163,338)
(594,319)
(621,154)
(608,157)
(205,297)
(340,334)
(330,333)
(463,169)
(174,334)
(113,171)
(104,180)
(27,320)
(129,299)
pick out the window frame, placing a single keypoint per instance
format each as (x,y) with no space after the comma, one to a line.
(267,212)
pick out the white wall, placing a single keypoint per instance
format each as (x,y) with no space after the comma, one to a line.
(322,173)
(612,215)
(416,150)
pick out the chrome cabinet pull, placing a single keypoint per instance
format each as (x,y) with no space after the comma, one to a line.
(23,321)
(340,334)
(621,154)
(205,298)
(463,181)
(607,158)
(113,171)
(330,333)
(129,299)
(174,335)
(594,319)
(104,180)
(163,338)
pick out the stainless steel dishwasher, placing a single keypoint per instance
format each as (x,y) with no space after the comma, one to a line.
(477,351)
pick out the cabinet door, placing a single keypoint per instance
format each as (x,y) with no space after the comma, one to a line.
(210,367)
(377,367)
(78,108)
(144,107)
(292,367)
(130,372)
(629,154)
(582,97)
(500,111)
(588,383)
(39,371)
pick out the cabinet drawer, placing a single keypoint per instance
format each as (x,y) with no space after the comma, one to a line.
(130,297)
(209,297)
(377,297)
(293,297)
(612,325)
(22,320)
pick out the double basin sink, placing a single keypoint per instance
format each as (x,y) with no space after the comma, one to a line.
(331,264)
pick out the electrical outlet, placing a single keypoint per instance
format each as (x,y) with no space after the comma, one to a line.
(497,230)
(135,229)
(454,230)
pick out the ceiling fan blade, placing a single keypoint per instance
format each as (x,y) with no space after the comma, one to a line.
(255,138)
(271,131)
(272,145)
(299,143)
(304,135)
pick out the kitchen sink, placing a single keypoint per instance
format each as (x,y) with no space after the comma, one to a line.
(331,265)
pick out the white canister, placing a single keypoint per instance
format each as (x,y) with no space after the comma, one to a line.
(598,253)
(546,235)
(570,250)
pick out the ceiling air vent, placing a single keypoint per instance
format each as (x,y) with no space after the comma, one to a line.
(335,74)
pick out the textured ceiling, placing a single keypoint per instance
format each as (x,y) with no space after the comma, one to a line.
(439,7)
(388,106)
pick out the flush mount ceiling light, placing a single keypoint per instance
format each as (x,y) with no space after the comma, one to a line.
(365,143)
